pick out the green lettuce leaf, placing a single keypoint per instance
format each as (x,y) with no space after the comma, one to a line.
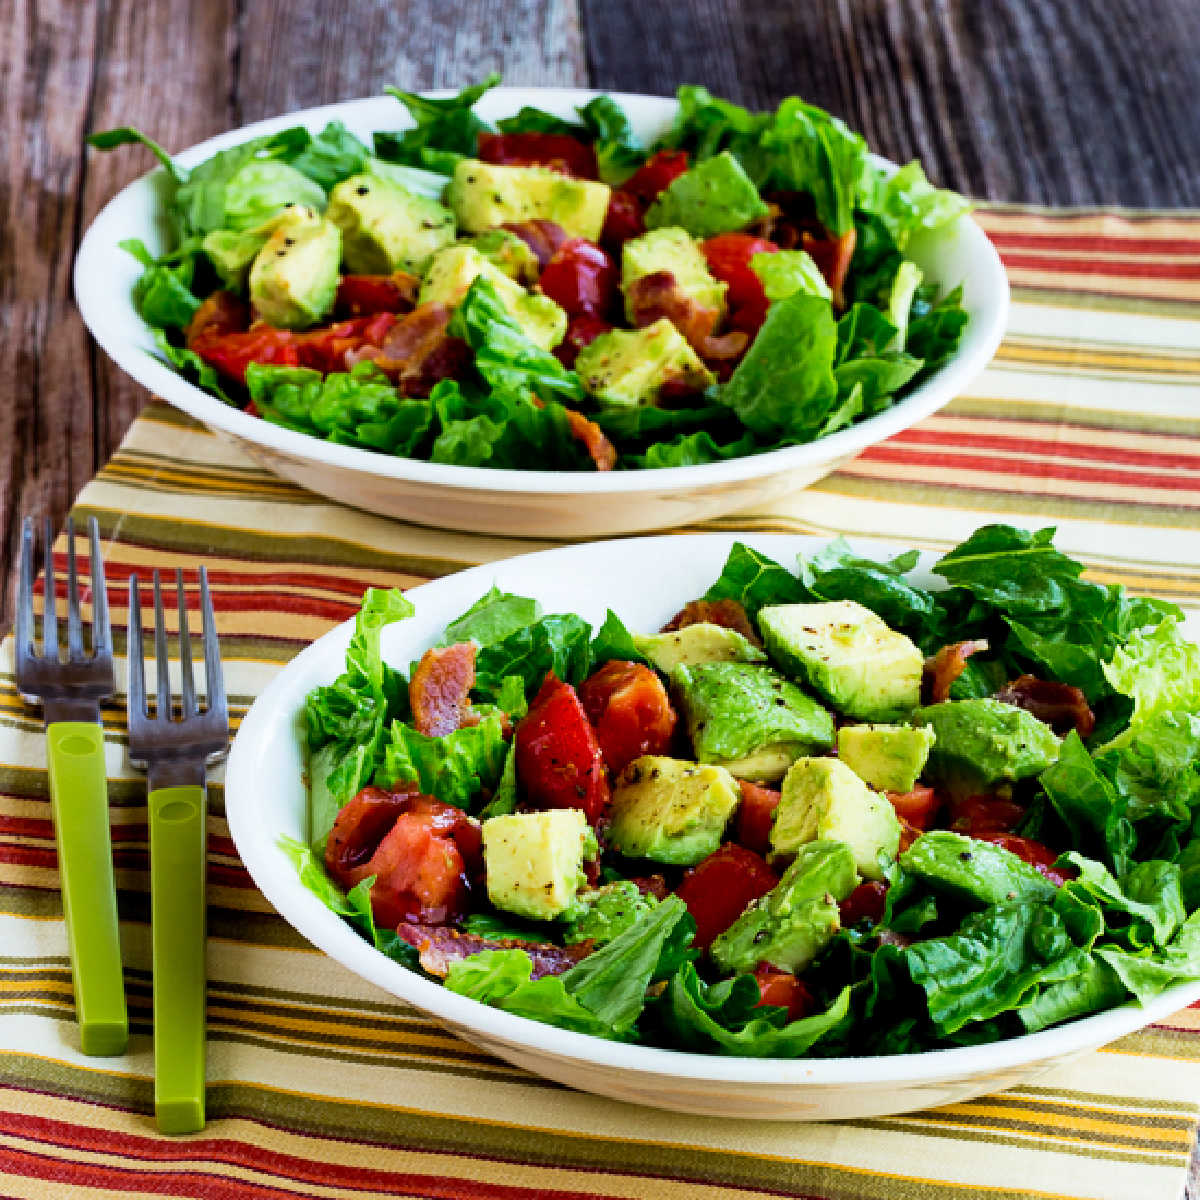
(1146,974)
(333,154)
(110,139)
(492,618)
(163,295)
(618,153)
(613,640)
(1160,670)
(454,769)
(446,129)
(754,581)
(536,120)
(908,203)
(786,272)
(692,449)
(559,642)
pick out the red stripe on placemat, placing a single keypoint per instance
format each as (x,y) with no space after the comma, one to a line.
(890,452)
(1110,452)
(190,1181)
(1091,241)
(1140,269)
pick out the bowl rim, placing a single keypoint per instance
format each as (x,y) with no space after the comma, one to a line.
(262,855)
(110,324)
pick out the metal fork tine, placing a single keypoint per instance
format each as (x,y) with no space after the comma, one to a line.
(162,660)
(25,596)
(188,697)
(136,653)
(74,620)
(212,653)
(101,632)
(49,616)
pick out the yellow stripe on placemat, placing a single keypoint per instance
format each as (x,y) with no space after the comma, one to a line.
(321,1085)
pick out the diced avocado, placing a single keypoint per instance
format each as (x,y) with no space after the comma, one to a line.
(792,923)
(715,196)
(607,912)
(694,644)
(455,268)
(483,195)
(888,757)
(823,799)
(749,718)
(294,277)
(508,253)
(231,251)
(533,861)
(783,273)
(670,249)
(974,871)
(984,741)
(385,227)
(904,288)
(671,811)
(630,366)
(848,655)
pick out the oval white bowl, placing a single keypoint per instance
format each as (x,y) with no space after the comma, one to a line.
(644,580)
(544,504)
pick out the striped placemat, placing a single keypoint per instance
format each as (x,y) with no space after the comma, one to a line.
(322,1086)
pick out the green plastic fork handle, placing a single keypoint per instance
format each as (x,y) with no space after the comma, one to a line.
(177,921)
(79,799)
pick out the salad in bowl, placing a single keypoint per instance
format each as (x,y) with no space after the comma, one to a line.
(837,809)
(553,293)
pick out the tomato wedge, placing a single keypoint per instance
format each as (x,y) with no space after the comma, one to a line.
(918,807)
(783,990)
(580,278)
(658,172)
(630,712)
(755,816)
(558,755)
(558,151)
(717,890)
(865,903)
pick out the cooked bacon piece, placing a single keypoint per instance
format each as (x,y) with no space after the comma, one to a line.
(357,831)
(1060,705)
(418,352)
(832,256)
(792,224)
(726,612)
(658,295)
(365,295)
(595,441)
(541,236)
(651,885)
(944,667)
(440,689)
(439,947)
(221,313)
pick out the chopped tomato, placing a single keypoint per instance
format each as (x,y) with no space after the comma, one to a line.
(783,990)
(558,755)
(625,219)
(325,349)
(558,151)
(718,890)
(865,903)
(755,816)
(440,688)
(728,256)
(232,353)
(978,815)
(365,295)
(582,331)
(918,806)
(580,278)
(425,866)
(357,831)
(1034,853)
(629,710)
(658,171)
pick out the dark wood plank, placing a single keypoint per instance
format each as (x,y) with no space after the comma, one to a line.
(1052,102)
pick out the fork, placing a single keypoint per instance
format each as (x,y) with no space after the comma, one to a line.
(70,692)
(175,752)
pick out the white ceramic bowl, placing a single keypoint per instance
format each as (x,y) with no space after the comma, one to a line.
(543,504)
(645,580)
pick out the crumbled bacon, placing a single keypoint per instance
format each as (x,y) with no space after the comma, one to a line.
(417,352)
(944,667)
(595,441)
(659,295)
(792,224)
(440,688)
(541,236)
(1060,705)
(438,947)
(726,612)
(832,256)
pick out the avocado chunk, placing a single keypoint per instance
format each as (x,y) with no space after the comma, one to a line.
(232,251)
(533,861)
(670,249)
(982,741)
(974,871)
(294,277)
(823,799)
(715,196)
(795,921)
(482,195)
(454,269)
(749,718)
(508,253)
(671,811)
(888,757)
(846,654)
(607,912)
(385,227)
(629,367)
(703,642)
